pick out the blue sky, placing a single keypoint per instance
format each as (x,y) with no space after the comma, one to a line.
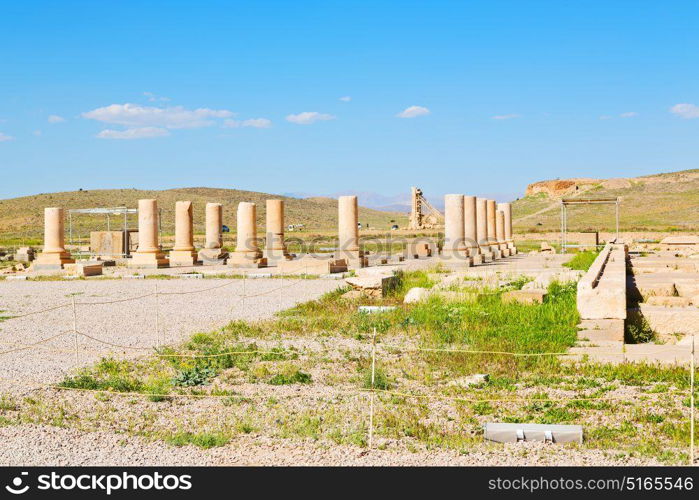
(480,97)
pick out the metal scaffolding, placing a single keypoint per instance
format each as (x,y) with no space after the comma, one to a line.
(566,202)
(113,211)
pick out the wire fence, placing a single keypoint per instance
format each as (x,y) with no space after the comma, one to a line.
(374,350)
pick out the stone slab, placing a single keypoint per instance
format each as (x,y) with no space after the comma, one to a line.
(524,296)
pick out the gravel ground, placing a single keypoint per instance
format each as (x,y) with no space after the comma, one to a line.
(129,323)
(57,446)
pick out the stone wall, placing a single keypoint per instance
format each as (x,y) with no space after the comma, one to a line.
(602,291)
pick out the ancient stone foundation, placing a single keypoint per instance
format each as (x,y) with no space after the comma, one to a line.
(149,255)
(54,255)
(602,291)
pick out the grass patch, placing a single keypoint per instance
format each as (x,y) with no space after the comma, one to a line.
(203,440)
(582,261)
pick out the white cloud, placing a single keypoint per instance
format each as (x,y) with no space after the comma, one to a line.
(37,133)
(175,117)
(252,122)
(628,114)
(133,133)
(345,98)
(5,137)
(154,98)
(56,119)
(413,112)
(510,116)
(308,117)
(685,110)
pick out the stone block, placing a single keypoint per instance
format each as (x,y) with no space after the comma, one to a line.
(246,260)
(212,256)
(52,261)
(378,285)
(667,321)
(311,265)
(83,269)
(659,300)
(524,296)
(182,258)
(148,261)
(24,254)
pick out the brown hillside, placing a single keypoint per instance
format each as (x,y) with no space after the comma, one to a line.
(23,217)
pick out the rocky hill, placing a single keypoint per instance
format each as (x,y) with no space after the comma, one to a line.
(664,202)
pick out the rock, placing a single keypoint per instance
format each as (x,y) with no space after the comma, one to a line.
(416,294)
(352,295)
(524,296)
(378,285)
(471,380)
(546,248)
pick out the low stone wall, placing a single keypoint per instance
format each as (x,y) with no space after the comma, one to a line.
(602,291)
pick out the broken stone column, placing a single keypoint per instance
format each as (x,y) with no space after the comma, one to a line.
(500,233)
(275,249)
(507,210)
(482,229)
(491,229)
(454,242)
(348,232)
(247,253)
(148,255)
(212,254)
(471,230)
(183,254)
(54,255)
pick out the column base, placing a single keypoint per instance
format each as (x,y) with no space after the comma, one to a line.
(455,257)
(212,256)
(275,256)
(148,260)
(477,259)
(52,261)
(355,259)
(246,260)
(180,258)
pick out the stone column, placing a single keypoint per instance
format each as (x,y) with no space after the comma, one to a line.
(348,231)
(500,233)
(482,229)
(54,254)
(148,255)
(491,229)
(471,229)
(275,249)
(212,254)
(454,243)
(247,253)
(183,253)
(507,209)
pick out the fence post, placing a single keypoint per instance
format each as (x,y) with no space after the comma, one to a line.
(75,330)
(371,403)
(691,406)
(157,316)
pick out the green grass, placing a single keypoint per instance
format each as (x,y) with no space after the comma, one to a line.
(203,440)
(582,261)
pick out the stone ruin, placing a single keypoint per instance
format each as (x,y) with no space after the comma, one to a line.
(477,231)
